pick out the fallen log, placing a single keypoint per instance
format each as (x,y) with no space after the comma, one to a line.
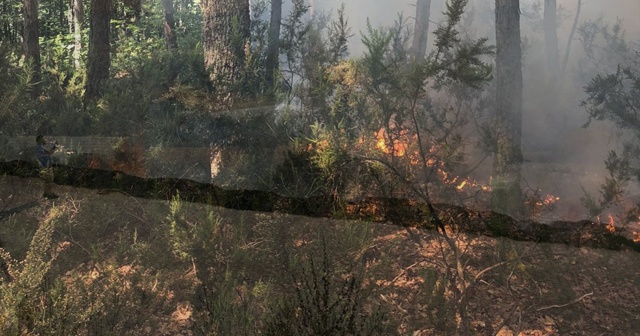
(397,211)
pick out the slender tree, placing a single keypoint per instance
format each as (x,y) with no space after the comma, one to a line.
(273,49)
(77,12)
(169,25)
(421,29)
(507,195)
(571,34)
(99,58)
(31,43)
(225,35)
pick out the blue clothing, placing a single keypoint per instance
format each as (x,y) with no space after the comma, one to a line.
(44,156)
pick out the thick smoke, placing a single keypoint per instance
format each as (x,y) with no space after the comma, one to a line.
(561,157)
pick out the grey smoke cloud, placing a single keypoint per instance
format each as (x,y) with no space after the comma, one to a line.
(562,157)
(384,12)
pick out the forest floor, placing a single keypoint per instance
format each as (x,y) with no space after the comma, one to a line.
(512,288)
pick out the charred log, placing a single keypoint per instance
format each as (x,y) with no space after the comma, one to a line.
(401,212)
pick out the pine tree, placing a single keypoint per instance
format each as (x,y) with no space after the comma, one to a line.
(31,42)
(507,195)
(225,37)
(99,57)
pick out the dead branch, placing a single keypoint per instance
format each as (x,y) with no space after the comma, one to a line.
(566,304)
(73,241)
(506,320)
(405,271)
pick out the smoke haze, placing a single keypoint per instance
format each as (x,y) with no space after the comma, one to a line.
(561,157)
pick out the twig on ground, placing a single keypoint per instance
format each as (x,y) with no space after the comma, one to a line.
(517,331)
(72,240)
(506,320)
(405,271)
(566,304)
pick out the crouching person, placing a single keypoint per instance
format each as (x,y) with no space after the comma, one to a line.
(46,161)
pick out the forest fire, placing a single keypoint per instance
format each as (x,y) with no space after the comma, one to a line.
(468,183)
(403,146)
(399,147)
(609,224)
(548,200)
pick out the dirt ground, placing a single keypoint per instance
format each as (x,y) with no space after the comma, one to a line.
(511,288)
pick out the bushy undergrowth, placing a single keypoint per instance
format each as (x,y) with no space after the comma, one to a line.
(324,303)
(105,300)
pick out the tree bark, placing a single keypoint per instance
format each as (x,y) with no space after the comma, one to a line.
(421,30)
(99,58)
(225,34)
(169,25)
(31,43)
(551,41)
(273,48)
(77,12)
(507,195)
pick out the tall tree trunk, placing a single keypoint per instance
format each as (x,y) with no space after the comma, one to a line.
(507,195)
(573,31)
(31,43)
(273,48)
(421,30)
(225,34)
(77,12)
(169,25)
(551,40)
(99,58)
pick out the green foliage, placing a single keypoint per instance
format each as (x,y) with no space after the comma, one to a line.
(219,310)
(141,68)
(19,297)
(35,302)
(401,104)
(193,239)
(604,48)
(615,97)
(213,249)
(441,311)
(339,34)
(296,176)
(343,109)
(19,112)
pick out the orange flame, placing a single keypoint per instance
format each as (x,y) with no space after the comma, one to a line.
(399,147)
(610,225)
(548,200)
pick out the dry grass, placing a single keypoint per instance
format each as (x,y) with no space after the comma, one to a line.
(541,289)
